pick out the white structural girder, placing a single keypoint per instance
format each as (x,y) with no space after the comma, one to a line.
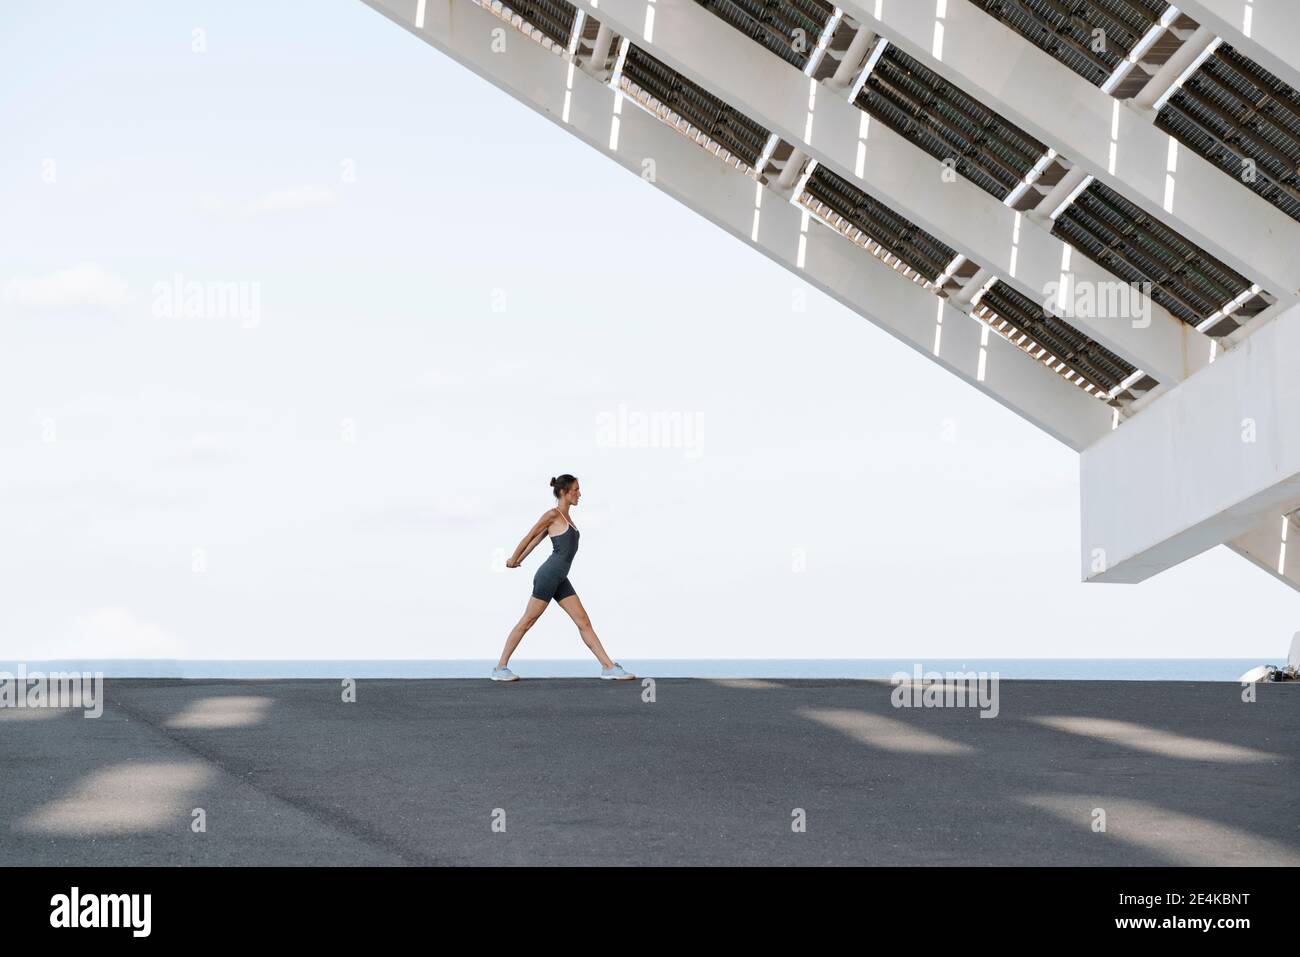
(1267,31)
(1274,546)
(1119,145)
(739,205)
(1206,463)
(826,126)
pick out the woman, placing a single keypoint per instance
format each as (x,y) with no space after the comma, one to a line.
(552,581)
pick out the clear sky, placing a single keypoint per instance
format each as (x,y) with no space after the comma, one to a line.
(447,300)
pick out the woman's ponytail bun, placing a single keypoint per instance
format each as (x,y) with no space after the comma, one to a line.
(561,484)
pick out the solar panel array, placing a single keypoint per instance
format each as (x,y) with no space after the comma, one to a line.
(1087,359)
(938,117)
(992,152)
(554,18)
(897,235)
(726,126)
(1067,29)
(1230,110)
(1245,121)
(789,28)
(1136,247)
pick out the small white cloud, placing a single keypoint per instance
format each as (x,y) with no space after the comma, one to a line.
(436,380)
(202,451)
(289,200)
(213,205)
(419,516)
(116,632)
(508,368)
(81,286)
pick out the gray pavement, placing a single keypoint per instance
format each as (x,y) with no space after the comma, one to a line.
(710,772)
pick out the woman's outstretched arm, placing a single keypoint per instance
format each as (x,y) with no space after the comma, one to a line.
(535,535)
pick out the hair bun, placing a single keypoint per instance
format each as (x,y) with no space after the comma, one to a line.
(552,481)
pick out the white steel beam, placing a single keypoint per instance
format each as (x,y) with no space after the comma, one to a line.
(825,126)
(854,58)
(735,202)
(1206,463)
(1118,145)
(1267,31)
(1274,546)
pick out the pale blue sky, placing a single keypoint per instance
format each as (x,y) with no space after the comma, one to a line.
(130,440)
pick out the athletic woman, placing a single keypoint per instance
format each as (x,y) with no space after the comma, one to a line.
(552,581)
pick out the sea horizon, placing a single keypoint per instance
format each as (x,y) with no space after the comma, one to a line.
(1063,669)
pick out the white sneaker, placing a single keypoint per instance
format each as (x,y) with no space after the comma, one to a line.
(616,673)
(504,674)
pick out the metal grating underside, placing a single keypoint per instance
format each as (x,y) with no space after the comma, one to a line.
(789,28)
(900,237)
(553,17)
(721,123)
(1065,29)
(1087,359)
(1232,110)
(1122,238)
(927,110)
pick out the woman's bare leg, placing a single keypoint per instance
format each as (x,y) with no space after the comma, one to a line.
(573,605)
(534,611)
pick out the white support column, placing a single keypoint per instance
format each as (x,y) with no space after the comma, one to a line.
(836,133)
(757,216)
(854,58)
(1207,463)
(1267,31)
(1118,145)
(791,170)
(600,49)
